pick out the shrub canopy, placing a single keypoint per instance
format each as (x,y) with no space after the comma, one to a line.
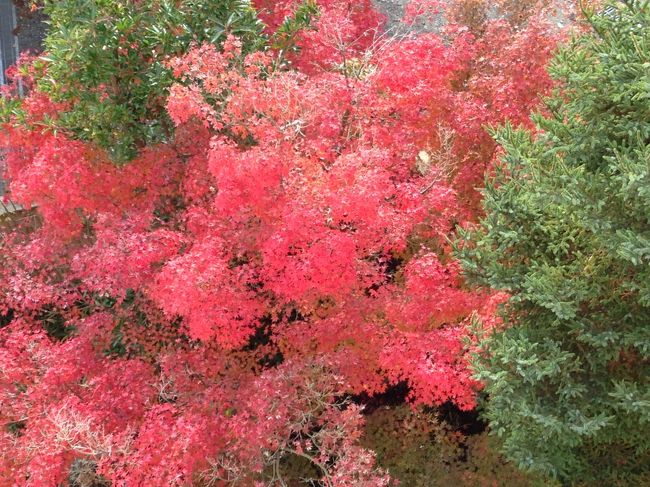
(566,233)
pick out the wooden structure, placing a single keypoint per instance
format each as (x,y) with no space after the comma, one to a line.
(8,56)
(8,41)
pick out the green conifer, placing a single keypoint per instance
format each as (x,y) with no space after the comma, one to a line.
(566,232)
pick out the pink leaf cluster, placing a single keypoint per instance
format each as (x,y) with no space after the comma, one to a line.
(208,309)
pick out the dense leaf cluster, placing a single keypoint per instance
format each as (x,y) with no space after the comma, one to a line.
(106,59)
(272,249)
(567,234)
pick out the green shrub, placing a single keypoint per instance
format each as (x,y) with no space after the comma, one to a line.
(567,233)
(107,58)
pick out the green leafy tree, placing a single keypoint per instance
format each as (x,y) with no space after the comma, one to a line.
(566,233)
(107,59)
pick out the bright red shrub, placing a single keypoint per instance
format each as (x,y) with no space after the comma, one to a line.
(215,300)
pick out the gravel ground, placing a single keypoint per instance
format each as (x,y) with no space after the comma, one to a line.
(394,11)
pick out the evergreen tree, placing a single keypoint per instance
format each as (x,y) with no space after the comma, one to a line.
(566,233)
(106,59)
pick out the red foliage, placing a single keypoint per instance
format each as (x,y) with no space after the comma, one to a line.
(220,294)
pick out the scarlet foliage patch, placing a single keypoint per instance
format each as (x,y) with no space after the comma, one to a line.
(213,303)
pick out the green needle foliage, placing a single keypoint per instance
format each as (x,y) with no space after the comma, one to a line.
(107,58)
(567,233)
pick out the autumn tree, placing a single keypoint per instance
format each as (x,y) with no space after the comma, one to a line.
(236,234)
